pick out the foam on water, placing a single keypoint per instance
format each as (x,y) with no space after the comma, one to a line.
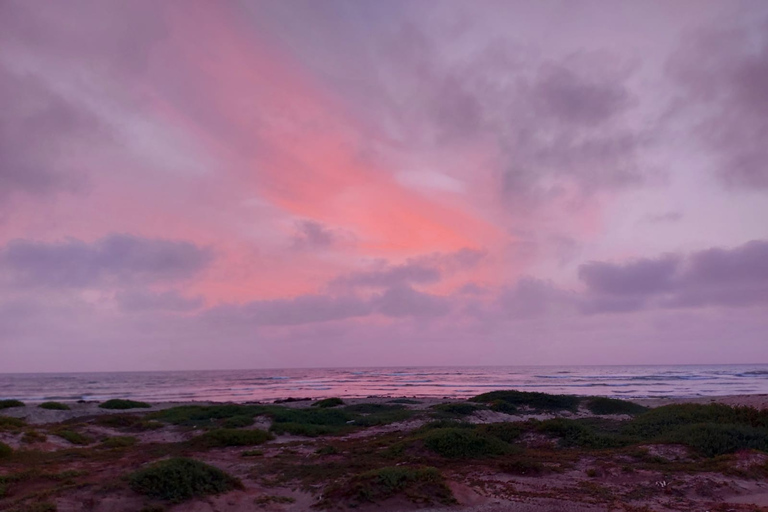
(248,385)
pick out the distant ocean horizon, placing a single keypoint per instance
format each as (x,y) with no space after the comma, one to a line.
(642,381)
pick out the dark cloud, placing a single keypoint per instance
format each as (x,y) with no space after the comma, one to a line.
(404,301)
(295,311)
(115,259)
(735,277)
(426,269)
(724,76)
(640,277)
(137,301)
(314,235)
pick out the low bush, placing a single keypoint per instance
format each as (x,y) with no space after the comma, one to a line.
(502,406)
(463,443)
(662,420)
(406,401)
(119,442)
(56,406)
(5,450)
(252,453)
(582,433)
(74,437)
(507,432)
(454,410)
(308,430)
(118,403)
(207,416)
(533,400)
(32,436)
(328,402)
(10,423)
(7,404)
(421,485)
(238,422)
(179,479)
(602,405)
(232,437)
(372,408)
(712,439)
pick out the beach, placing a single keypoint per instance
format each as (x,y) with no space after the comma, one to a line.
(489,458)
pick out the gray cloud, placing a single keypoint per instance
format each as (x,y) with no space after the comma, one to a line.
(735,277)
(404,301)
(137,301)
(724,76)
(117,259)
(314,235)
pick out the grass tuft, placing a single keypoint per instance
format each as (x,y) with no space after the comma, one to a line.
(454,410)
(119,442)
(602,405)
(533,400)
(421,485)
(464,443)
(180,479)
(223,437)
(328,402)
(74,437)
(119,403)
(5,450)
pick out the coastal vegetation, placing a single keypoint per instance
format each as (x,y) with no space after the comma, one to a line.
(7,404)
(180,479)
(328,402)
(403,452)
(119,403)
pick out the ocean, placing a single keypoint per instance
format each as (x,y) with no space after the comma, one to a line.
(266,385)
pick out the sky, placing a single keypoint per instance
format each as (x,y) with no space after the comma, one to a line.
(194,184)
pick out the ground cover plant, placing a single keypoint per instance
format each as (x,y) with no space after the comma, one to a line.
(532,400)
(603,405)
(219,438)
(56,406)
(421,485)
(74,437)
(181,479)
(118,403)
(7,404)
(328,402)
(454,410)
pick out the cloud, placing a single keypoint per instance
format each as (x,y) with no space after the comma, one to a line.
(138,301)
(314,235)
(735,277)
(640,277)
(427,269)
(664,218)
(116,259)
(723,74)
(404,301)
(303,309)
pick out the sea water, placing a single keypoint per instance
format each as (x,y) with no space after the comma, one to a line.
(267,385)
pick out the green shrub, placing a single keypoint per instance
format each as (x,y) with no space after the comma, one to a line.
(206,416)
(712,439)
(507,432)
(463,443)
(372,408)
(74,437)
(232,437)
(5,450)
(454,410)
(384,417)
(118,403)
(445,423)
(119,442)
(9,423)
(252,453)
(328,402)
(238,422)
(422,485)
(180,479)
(307,430)
(533,400)
(662,420)
(7,404)
(406,401)
(602,405)
(502,406)
(582,433)
(32,436)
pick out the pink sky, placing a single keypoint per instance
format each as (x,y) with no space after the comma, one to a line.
(199,184)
